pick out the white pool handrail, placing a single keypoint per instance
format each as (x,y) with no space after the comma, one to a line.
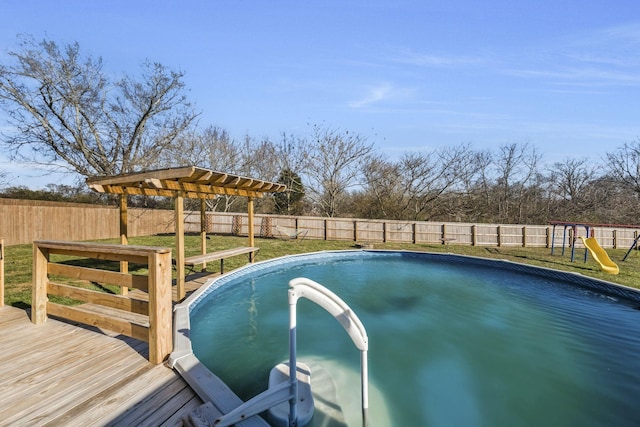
(306,288)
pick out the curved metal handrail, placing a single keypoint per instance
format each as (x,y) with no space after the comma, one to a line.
(307,288)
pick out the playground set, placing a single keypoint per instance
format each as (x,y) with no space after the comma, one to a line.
(590,243)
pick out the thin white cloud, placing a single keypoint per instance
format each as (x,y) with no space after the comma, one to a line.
(380,93)
(591,76)
(604,57)
(422,59)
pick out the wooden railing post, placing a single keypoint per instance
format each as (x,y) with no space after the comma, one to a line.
(160,314)
(39,297)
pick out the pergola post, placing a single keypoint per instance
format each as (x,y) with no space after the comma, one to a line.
(179,218)
(251,227)
(203,230)
(124,240)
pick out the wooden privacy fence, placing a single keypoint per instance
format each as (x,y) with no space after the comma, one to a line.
(123,312)
(379,231)
(23,221)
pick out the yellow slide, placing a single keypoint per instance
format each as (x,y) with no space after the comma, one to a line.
(600,256)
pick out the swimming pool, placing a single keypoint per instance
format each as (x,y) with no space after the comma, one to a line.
(453,340)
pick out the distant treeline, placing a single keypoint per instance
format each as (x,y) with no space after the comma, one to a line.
(456,184)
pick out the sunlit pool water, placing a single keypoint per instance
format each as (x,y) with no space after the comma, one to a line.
(453,341)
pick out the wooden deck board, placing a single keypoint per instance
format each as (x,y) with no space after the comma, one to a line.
(71,386)
(34,366)
(62,374)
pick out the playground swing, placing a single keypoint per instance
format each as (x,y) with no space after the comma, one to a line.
(590,243)
(633,245)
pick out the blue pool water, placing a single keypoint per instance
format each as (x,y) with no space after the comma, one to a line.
(453,341)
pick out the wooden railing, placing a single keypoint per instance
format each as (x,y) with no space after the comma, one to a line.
(156,328)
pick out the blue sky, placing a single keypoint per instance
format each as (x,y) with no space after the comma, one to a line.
(563,76)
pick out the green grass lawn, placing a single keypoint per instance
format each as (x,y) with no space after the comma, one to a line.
(18,259)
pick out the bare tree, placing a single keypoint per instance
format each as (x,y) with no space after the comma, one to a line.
(210,148)
(516,166)
(334,165)
(292,153)
(477,193)
(411,187)
(568,186)
(213,148)
(259,158)
(570,178)
(624,165)
(610,202)
(433,175)
(290,157)
(384,188)
(3,179)
(63,107)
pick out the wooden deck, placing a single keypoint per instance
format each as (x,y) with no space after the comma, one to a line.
(60,374)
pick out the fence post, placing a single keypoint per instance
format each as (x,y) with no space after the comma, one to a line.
(326,235)
(355,231)
(384,232)
(524,236)
(1,272)
(548,235)
(414,237)
(499,236)
(474,240)
(615,239)
(443,236)
(40,280)
(160,312)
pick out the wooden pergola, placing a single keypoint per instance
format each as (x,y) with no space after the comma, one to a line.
(190,182)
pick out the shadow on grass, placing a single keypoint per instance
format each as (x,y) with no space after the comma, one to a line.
(545,261)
